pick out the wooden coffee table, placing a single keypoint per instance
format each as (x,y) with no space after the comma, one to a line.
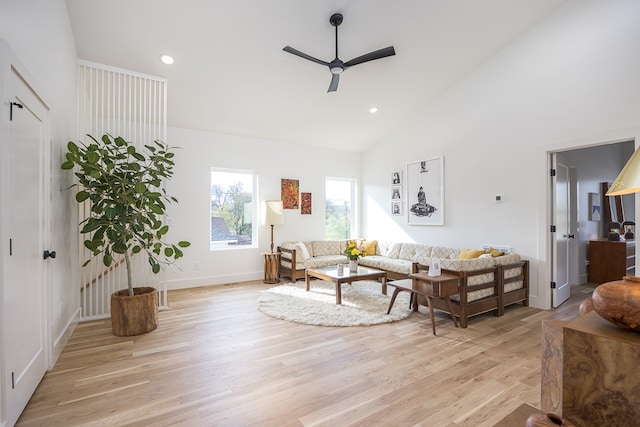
(330,274)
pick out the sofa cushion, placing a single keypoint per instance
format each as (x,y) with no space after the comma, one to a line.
(495,252)
(294,245)
(389,249)
(380,262)
(314,262)
(369,246)
(303,250)
(475,295)
(467,264)
(511,272)
(470,253)
(442,252)
(326,247)
(415,252)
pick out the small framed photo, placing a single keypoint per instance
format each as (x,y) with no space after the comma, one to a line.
(396,192)
(396,177)
(396,208)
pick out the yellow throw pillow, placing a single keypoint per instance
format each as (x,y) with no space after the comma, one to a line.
(495,253)
(470,253)
(370,246)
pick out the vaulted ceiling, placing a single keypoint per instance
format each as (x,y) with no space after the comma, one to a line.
(231,75)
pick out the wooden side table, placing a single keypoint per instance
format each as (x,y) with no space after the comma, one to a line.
(442,286)
(271,267)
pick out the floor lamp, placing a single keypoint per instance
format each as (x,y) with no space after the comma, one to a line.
(272,214)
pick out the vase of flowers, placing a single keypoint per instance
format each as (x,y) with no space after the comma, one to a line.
(354,252)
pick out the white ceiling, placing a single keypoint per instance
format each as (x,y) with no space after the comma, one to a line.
(232,76)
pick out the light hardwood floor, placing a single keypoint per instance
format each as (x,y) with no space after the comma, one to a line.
(216,361)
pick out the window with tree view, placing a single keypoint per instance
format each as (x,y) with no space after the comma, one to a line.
(233,208)
(340,198)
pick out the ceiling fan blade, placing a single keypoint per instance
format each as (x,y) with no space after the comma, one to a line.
(381,53)
(333,86)
(304,55)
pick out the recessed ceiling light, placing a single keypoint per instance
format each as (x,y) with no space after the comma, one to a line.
(373,110)
(166,59)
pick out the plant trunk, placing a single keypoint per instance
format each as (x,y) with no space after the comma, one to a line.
(128,263)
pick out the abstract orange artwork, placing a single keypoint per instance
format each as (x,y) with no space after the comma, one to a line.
(306,203)
(290,193)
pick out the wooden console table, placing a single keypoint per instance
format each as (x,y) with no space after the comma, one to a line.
(442,286)
(611,260)
(271,267)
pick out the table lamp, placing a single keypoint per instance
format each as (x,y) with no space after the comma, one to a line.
(272,214)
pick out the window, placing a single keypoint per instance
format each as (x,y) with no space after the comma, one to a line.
(233,208)
(340,208)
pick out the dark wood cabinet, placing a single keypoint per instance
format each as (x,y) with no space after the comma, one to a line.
(610,261)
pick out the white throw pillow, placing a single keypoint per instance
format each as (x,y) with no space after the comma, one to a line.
(303,250)
(485,256)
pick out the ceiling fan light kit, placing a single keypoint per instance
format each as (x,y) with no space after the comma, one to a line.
(336,67)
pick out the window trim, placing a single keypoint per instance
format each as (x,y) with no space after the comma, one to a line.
(254,209)
(354,223)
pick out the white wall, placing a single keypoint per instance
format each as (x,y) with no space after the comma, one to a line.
(573,80)
(273,161)
(39,33)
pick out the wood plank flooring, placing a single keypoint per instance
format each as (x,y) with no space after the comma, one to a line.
(216,361)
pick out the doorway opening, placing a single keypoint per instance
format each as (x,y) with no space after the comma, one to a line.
(577,200)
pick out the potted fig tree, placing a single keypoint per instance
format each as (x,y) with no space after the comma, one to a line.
(124,188)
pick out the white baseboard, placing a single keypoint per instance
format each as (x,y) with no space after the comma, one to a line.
(213,280)
(61,340)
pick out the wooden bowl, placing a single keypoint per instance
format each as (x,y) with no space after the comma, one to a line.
(619,302)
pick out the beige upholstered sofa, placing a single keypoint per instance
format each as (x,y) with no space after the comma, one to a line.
(487,283)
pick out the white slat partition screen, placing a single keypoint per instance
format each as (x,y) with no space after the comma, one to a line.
(133,106)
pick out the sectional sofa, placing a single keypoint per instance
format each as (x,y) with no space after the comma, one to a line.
(490,280)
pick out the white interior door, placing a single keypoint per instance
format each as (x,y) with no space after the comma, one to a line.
(24,281)
(562,236)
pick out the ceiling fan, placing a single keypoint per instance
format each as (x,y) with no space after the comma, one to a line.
(337,66)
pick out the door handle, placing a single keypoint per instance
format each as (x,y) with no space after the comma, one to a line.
(571,236)
(47,254)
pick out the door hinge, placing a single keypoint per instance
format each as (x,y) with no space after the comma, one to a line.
(553,285)
(552,172)
(553,228)
(11,105)
(13,380)
(10,247)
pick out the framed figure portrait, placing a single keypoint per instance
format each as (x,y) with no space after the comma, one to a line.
(396,177)
(425,192)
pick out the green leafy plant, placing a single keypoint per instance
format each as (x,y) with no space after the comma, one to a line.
(127,200)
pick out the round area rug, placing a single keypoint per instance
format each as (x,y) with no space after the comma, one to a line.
(362,304)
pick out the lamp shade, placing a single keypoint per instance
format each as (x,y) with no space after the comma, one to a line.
(628,181)
(273,212)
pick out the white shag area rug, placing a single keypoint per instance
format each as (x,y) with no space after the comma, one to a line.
(362,304)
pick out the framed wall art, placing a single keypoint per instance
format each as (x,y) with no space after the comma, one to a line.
(305,203)
(594,207)
(425,192)
(290,193)
(396,192)
(396,208)
(396,177)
